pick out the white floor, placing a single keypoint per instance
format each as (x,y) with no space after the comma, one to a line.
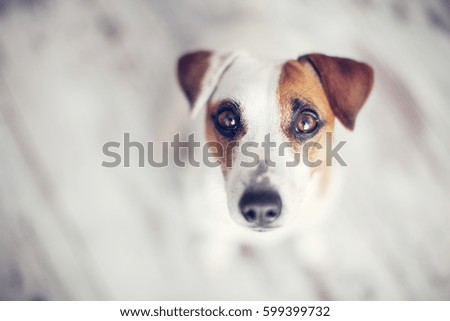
(76,74)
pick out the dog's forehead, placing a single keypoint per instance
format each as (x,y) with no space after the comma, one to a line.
(269,83)
(248,77)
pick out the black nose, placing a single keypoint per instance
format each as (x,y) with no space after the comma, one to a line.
(260,207)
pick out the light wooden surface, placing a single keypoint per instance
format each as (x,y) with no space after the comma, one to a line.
(76,74)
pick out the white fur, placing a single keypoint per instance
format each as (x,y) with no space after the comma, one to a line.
(218,63)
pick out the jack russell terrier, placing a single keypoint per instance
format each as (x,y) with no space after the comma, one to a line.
(296,103)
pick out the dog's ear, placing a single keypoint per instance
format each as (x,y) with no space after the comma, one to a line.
(347,84)
(198,75)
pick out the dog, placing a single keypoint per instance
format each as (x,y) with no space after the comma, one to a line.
(247,99)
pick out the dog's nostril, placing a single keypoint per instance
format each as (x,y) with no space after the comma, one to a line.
(260,206)
(250,215)
(272,214)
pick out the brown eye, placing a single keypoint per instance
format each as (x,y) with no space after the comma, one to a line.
(306,123)
(227,119)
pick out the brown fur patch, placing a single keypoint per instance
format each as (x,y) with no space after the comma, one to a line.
(299,81)
(191,70)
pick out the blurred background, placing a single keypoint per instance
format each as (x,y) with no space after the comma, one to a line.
(77,74)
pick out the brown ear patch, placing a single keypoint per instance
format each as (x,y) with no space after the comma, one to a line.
(191,69)
(347,84)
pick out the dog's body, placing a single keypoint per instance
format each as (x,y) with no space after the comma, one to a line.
(246,101)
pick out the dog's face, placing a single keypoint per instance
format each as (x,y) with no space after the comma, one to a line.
(270,124)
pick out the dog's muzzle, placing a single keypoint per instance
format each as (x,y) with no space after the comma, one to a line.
(260,207)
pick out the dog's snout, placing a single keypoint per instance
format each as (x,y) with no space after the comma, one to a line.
(260,207)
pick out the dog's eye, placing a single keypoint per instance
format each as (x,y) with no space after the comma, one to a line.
(227,120)
(307,122)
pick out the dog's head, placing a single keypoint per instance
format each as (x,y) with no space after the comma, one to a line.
(270,124)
